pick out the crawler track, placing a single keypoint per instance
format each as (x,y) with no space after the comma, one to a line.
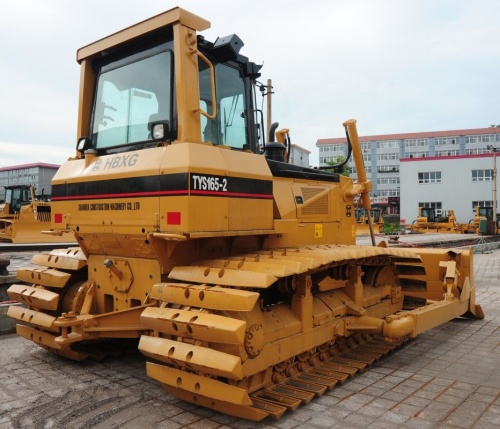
(214,346)
(324,370)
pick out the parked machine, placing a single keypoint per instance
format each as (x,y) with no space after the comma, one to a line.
(24,216)
(15,197)
(237,271)
(429,221)
(482,223)
(362,224)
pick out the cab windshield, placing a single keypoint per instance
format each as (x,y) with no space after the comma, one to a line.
(485,211)
(132,94)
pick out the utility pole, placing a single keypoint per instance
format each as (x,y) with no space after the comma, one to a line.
(494,150)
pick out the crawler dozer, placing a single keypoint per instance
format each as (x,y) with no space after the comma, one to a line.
(429,221)
(362,223)
(24,216)
(236,272)
(482,223)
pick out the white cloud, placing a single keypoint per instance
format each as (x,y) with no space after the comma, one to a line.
(16,153)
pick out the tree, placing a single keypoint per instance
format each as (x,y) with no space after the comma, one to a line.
(346,170)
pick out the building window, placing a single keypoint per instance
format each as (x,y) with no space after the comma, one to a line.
(429,177)
(450,152)
(431,205)
(486,138)
(477,151)
(441,141)
(417,154)
(482,175)
(388,192)
(387,180)
(388,144)
(332,147)
(416,143)
(387,156)
(388,169)
(481,204)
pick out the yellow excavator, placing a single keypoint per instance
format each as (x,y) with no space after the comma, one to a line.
(24,216)
(236,272)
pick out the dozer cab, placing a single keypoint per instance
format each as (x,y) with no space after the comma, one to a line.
(429,220)
(16,197)
(24,215)
(237,271)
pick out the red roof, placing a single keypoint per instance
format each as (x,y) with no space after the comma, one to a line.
(421,135)
(35,164)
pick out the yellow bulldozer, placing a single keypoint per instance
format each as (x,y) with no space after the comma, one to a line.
(363,224)
(482,223)
(429,220)
(24,216)
(236,272)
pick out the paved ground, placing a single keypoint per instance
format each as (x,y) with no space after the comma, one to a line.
(448,377)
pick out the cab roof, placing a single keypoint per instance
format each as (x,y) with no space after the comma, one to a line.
(165,19)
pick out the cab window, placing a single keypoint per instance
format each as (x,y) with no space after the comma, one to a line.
(229,126)
(130,96)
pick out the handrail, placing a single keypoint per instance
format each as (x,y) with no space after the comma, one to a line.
(212,85)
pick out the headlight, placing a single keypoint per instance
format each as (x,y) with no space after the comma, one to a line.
(158,131)
(83,144)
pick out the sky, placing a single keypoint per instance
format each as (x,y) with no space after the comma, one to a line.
(394,65)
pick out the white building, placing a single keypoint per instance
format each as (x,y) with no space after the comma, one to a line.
(299,156)
(458,183)
(456,150)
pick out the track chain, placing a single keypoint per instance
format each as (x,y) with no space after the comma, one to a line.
(346,359)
